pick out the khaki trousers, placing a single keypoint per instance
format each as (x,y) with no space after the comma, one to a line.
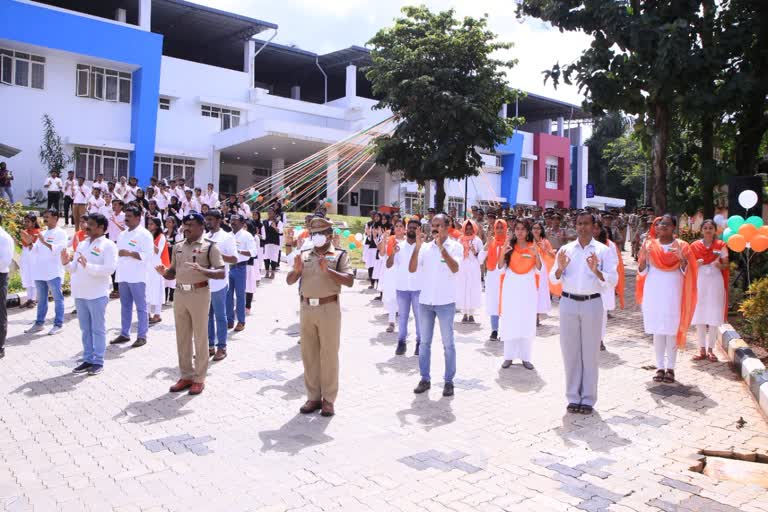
(190,311)
(320,332)
(78,210)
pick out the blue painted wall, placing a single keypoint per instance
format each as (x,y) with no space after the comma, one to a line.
(510,163)
(50,28)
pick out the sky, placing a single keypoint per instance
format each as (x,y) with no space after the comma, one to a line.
(325,26)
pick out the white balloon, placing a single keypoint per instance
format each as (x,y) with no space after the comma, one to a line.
(359,237)
(748,199)
(720,220)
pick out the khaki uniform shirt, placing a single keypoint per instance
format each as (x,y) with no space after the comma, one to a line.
(197,252)
(316,284)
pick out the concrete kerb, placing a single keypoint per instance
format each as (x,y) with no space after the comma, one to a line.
(746,363)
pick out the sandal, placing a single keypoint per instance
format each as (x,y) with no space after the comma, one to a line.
(585,409)
(574,408)
(712,357)
(699,357)
(659,377)
(669,378)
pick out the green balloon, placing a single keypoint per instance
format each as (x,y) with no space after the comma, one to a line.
(345,233)
(727,234)
(336,231)
(735,222)
(351,246)
(755,221)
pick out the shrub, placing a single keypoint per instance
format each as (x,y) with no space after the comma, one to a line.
(13,218)
(755,309)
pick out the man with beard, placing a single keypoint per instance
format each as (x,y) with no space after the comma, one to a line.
(407,286)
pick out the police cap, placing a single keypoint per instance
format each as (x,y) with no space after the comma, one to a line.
(319,224)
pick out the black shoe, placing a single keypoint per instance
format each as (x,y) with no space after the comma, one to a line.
(471,319)
(140,342)
(448,389)
(422,387)
(120,339)
(416,352)
(377,298)
(95,369)
(2,353)
(464,319)
(400,348)
(82,368)
(602,346)
(494,336)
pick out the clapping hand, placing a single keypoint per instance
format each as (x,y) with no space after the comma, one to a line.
(65,258)
(562,260)
(160,269)
(592,262)
(298,264)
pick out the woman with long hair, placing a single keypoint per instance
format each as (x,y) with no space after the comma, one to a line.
(711,255)
(371,246)
(172,236)
(547,255)
(160,256)
(494,254)
(253,268)
(468,278)
(32,228)
(387,281)
(666,289)
(602,235)
(520,264)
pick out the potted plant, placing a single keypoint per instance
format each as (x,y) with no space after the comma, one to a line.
(389,210)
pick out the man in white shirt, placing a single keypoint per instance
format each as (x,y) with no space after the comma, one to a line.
(135,248)
(189,203)
(100,184)
(130,190)
(90,268)
(121,188)
(80,199)
(181,189)
(54,186)
(48,272)
(95,202)
(584,267)
(217,315)
(163,197)
(243,208)
(210,197)
(116,219)
(69,192)
(7,248)
(438,262)
(246,249)
(407,286)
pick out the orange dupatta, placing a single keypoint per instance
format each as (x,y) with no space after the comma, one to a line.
(33,231)
(454,233)
(79,237)
(621,284)
(466,240)
(707,254)
(669,262)
(495,246)
(521,262)
(164,258)
(548,259)
(391,241)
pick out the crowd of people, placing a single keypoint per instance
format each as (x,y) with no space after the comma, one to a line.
(206,253)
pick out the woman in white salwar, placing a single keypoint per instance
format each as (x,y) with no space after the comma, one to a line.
(493,251)
(544,300)
(468,279)
(387,275)
(155,283)
(711,256)
(253,268)
(27,261)
(519,291)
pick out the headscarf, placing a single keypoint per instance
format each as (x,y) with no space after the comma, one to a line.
(496,245)
(466,240)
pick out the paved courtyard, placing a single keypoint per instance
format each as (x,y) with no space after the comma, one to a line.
(504,442)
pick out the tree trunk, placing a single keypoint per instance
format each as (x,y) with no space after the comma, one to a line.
(708,168)
(661,122)
(752,124)
(439,194)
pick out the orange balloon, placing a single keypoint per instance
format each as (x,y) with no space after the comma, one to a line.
(763,230)
(759,243)
(358,244)
(737,243)
(351,238)
(747,231)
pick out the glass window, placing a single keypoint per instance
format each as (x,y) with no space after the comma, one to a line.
(22,72)
(125,89)
(91,162)
(165,104)
(38,76)
(167,168)
(83,81)
(97,83)
(229,118)
(110,93)
(524,169)
(102,84)
(6,67)
(552,173)
(22,69)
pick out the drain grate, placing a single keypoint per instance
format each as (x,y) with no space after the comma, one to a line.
(743,467)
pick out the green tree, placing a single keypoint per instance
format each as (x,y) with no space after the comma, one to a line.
(438,76)
(52,153)
(627,169)
(605,130)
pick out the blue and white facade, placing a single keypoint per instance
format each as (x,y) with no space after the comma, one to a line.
(136,96)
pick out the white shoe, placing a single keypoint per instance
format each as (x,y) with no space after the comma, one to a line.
(54,330)
(35,328)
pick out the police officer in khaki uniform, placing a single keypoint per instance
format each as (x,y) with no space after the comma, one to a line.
(193,263)
(322,270)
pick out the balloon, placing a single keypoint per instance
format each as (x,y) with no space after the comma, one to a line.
(727,234)
(260,198)
(351,238)
(257,193)
(719,220)
(345,233)
(748,199)
(737,243)
(755,221)
(763,230)
(352,245)
(329,200)
(358,244)
(281,187)
(734,221)
(298,230)
(759,243)
(359,237)
(336,231)
(747,231)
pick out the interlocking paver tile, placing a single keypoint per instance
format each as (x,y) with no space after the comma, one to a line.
(504,442)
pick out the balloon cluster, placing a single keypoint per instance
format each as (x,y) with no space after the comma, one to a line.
(742,233)
(255,196)
(327,202)
(355,240)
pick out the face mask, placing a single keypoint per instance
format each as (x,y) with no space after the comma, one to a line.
(318,240)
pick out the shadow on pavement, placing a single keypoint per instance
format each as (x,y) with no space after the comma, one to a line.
(168,406)
(59,384)
(290,354)
(521,380)
(400,364)
(292,389)
(590,429)
(429,413)
(300,432)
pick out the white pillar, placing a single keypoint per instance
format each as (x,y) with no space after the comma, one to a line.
(249,55)
(351,82)
(547,126)
(145,15)
(278,164)
(215,171)
(332,182)
(503,111)
(296,92)
(560,131)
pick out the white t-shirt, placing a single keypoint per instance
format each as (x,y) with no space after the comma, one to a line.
(94,281)
(129,269)
(53,184)
(6,251)
(405,280)
(130,194)
(120,190)
(47,262)
(438,281)
(95,204)
(226,244)
(69,187)
(244,241)
(82,193)
(162,199)
(210,199)
(103,186)
(116,225)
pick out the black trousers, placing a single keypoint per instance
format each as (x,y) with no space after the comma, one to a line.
(67,210)
(53,200)
(3,308)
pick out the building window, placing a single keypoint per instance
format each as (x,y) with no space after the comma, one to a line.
(169,168)
(22,69)
(229,118)
(551,170)
(411,203)
(369,201)
(165,104)
(524,169)
(458,203)
(111,163)
(498,161)
(103,84)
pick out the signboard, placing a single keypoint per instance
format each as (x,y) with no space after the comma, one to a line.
(590,190)
(354,198)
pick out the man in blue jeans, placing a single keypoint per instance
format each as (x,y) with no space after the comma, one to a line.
(48,271)
(437,262)
(245,246)
(217,314)
(407,286)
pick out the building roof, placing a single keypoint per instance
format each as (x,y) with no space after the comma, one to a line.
(535,107)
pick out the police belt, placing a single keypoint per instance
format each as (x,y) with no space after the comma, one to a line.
(319,302)
(190,287)
(580,298)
